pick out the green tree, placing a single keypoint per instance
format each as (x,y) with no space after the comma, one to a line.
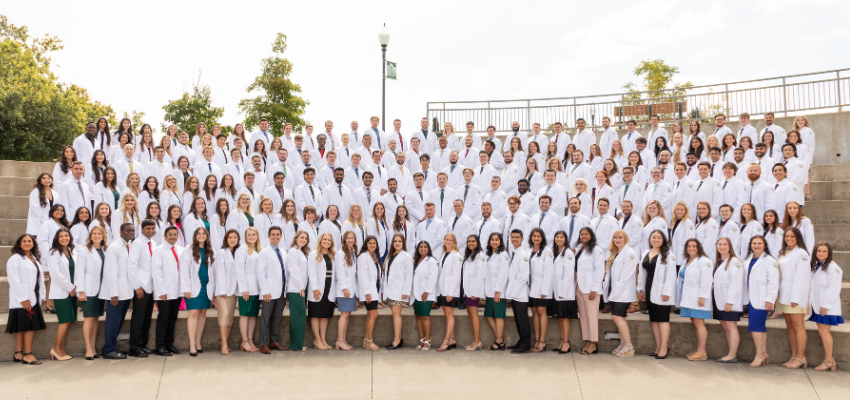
(277,98)
(138,119)
(658,81)
(191,109)
(38,114)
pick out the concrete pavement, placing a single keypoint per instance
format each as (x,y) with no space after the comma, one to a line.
(409,373)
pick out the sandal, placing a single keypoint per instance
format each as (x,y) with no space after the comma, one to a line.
(473,346)
(595,349)
(624,353)
(24,362)
(419,346)
(499,346)
(559,345)
(368,345)
(426,343)
(446,345)
(827,366)
(802,363)
(15,356)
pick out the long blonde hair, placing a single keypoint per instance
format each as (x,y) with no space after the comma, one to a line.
(348,250)
(123,211)
(615,153)
(614,250)
(320,252)
(136,190)
(454,240)
(256,246)
(103,242)
(358,221)
(646,217)
(684,217)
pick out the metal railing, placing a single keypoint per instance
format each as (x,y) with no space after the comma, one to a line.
(781,95)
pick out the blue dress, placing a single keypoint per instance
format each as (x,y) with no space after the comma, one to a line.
(832,320)
(690,312)
(202,302)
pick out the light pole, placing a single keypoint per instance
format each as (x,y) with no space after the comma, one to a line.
(592,116)
(384,38)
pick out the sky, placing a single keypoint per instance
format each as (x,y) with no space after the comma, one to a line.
(138,55)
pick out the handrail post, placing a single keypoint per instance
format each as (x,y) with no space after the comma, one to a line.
(784,99)
(527,113)
(838,89)
(488,114)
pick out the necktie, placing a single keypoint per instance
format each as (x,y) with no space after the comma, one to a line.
(548,188)
(279,258)
(239,170)
(131,165)
(465,192)
(427,224)
(150,250)
(311,141)
(572,225)
(625,191)
(380,174)
(80,186)
(752,187)
(425,133)
(266,134)
(655,188)
(711,174)
(482,227)
(677,185)
(455,222)
(689,171)
(452,169)
(426,174)
(420,196)
(340,190)
(280,191)
(395,198)
(177,260)
(724,184)
(369,195)
(346,152)
(776,187)
(699,186)
(598,221)
(401,141)
(357,172)
(467,153)
(442,196)
(541,219)
(282,166)
(210,166)
(312,193)
(401,169)
(377,135)
(482,170)
(629,136)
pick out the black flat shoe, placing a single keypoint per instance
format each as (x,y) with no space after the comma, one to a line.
(193,354)
(499,346)
(396,347)
(15,359)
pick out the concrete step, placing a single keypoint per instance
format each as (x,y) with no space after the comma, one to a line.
(828,211)
(682,337)
(14,207)
(5,253)
(830,172)
(25,168)
(830,190)
(842,258)
(11,229)
(17,186)
(838,235)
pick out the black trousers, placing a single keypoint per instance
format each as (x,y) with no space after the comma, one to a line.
(140,321)
(523,326)
(165,322)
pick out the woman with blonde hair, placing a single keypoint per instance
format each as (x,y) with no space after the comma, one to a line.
(134,185)
(619,289)
(595,158)
(693,293)
(265,220)
(296,284)
(617,154)
(345,277)
(728,302)
(165,143)
(581,189)
(170,193)
(682,228)
(354,223)
(322,286)
(102,218)
(653,219)
(127,212)
(449,287)
(533,175)
(200,131)
(191,190)
(678,146)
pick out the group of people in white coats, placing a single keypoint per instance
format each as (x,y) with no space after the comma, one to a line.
(390,221)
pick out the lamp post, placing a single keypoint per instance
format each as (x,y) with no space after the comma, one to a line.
(592,116)
(384,38)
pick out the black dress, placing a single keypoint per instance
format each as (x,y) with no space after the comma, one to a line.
(323,308)
(21,320)
(657,313)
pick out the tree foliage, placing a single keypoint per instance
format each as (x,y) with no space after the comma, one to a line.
(191,109)
(277,98)
(657,76)
(38,114)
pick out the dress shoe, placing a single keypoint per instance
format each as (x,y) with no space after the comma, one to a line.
(146,350)
(163,352)
(173,350)
(277,346)
(606,310)
(114,355)
(265,349)
(138,354)
(520,350)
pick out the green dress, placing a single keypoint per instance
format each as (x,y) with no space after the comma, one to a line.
(250,219)
(202,302)
(66,309)
(93,306)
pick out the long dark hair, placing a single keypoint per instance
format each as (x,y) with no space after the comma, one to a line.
(467,254)
(224,242)
(417,258)
(531,244)
(497,250)
(591,244)
(42,193)
(16,248)
(62,221)
(64,165)
(106,133)
(365,248)
(155,193)
(94,168)
(828,256)
(56,247)
(397,223)
(222,218)
(700,250)
(121,130)
(750,246)
(658,150)
(194,210)
(148,212)
(798,235)
(776,223)
(196,249)
(557,250)
(665,245)
(110,184)
(168,216)
(77,219)
(700,150)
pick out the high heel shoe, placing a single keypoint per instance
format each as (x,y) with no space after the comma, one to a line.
(499,346)
(454,344)
(15,359)
(474,346)
(803,363)
(559,346)
(396,347)
(761,363)
(827,366)
(624,353)
(419,346)
(368,345)
(426,342)
(34,362)
(445,346)
(595,350)
(54,356)
(569,349)
(341,347)
(542,349)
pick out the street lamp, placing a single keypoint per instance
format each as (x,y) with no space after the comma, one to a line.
(592,116)
(384,38)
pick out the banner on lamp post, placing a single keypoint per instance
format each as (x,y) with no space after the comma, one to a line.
(391,70)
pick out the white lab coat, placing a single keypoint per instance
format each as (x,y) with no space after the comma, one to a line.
(474,272)
(774,241)
(190,281)
(795,278)
(60,274)
(297,275)
(564,275)
(541,273)
(620,278)
(317,272)
(697,284)
(496,279)
(762,281)
(686,230)
(711,191)
(345,276)
(369,277)
(425,279)
(548,222)
(663,280)
(634,230)
(23,276)
(116,280)
(87,271)
(729,284)
(707,234)
(225,273)
(398,278)
(825,289)
(519,273)
(269,273)
(139,269)
(37,215)
(165,272)
(752,228)
(451,267)
(590,269)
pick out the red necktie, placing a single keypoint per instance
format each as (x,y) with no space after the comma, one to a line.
(401,141)
(467,153)
(149,248)
(175,257)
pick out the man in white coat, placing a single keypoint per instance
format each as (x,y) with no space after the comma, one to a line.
(747,129)
(262,134)
(236,168)
(427,140)
(497,198)
(395,134)
(683,189)
(471,195)
(392,199)
(166,289)
(581,169)
(609,135)
(732,188)
(469,154)
(141,280)
(583,137)
(365,195)
(271,276)
(86,144)
(443,198)
(630,137)
(784,191)
(75,193)
(116,290)
(488,224)
(604,225)
(659,190)
(415,199)
(461,225)
(708,189)
(281,165)
(529,200)
(308,194)
(554,190)
(432,230)
(720,127)
(515,133)
(454,171)
(542,141)
(630,191)
(206,167)
(491,137)
(765,162)
(429,174)
(440,156)
(126,166)
(632,224)
(337,194)
(158,168)
(546,219)
(354,173)
(756,191)
(401,174)
(344,152)
(572,223)
(353,135)
(510,175)
(278,193)
(655,132)
(484,171)
(376,141)
(516,219)
(779,134)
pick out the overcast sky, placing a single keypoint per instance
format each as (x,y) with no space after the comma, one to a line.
(138,55)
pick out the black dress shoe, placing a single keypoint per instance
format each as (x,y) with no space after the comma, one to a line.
(520,350)
(163,352)
(396,347)
(146,350)
(173,350)
(114,355)
(138,354)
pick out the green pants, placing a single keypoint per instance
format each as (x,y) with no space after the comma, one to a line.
(297,320)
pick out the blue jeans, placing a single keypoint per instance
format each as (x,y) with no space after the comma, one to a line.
(114,318)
